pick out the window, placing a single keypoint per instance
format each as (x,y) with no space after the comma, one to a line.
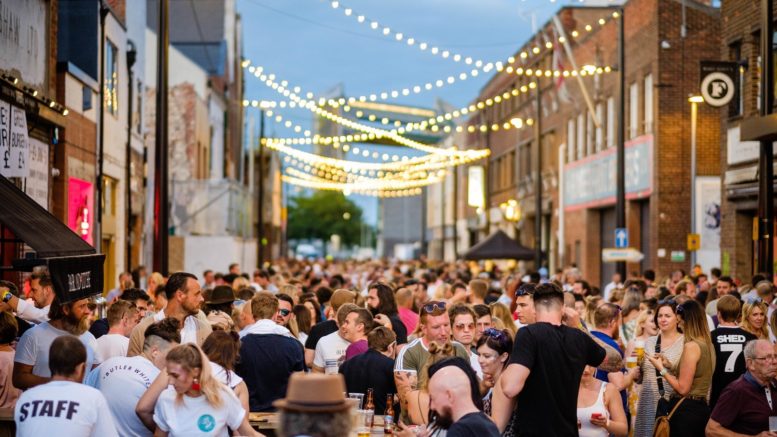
(633,109)
(610,122)
(571,140)
(648,104)
(111,85)
(139,108)
(600,128)
(737,105)
(580,136)
(590,132)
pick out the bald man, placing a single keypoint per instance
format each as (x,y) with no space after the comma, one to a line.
(451,399)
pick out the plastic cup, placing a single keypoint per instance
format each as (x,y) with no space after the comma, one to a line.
(631,362)
(359,397)
(330,367)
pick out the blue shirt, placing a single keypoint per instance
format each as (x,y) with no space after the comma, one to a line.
(266,363)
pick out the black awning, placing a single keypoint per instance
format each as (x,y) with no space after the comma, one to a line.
(75,268)
(499,246)
(37,227)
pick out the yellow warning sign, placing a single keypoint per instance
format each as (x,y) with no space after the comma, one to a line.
(694,242)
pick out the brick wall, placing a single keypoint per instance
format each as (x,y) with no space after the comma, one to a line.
(675,77)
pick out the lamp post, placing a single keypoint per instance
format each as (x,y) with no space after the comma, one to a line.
(694,100)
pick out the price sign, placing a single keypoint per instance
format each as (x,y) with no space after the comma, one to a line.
(14,142)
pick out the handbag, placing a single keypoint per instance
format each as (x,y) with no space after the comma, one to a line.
(661,427)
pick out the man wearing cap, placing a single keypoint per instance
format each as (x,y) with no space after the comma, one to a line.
(339,297)
(314,406)
(267,355)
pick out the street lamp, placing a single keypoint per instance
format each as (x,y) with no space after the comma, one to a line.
(694,101)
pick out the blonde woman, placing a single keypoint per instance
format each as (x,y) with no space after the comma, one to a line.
(417,407)
(500,311)
(156,290)
(754,318)
(188,400)
(693,377)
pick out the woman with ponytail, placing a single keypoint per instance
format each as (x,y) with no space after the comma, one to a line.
(187,400)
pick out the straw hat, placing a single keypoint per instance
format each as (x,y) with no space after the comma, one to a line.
(314,393)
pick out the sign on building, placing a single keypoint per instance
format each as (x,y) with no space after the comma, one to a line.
(718,82)
(36,185)
(590,182)
(476,186)
(14,144)
(23,39)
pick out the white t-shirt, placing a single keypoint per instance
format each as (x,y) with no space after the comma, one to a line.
(63,408)
(33,348)
(26,310)
(195,416)
(112,345)
(330,347)
(230,379)
(123,381)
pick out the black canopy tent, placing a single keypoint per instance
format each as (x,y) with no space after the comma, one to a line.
(499,246)
(76,269)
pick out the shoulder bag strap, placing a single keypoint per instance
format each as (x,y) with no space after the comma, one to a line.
(659,378)
(675,408)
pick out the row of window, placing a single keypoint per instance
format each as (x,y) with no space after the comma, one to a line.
(585,138)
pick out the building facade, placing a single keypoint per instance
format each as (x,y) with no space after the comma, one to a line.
(578,134)
(740,43)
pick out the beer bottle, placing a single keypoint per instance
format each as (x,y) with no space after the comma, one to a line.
(370,407)
(388,418)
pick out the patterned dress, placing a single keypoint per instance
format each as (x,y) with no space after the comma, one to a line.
(648,397)
(511,430)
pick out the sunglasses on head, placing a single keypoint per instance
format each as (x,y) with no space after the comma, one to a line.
(495,334)
(667,301)
(284,312)
(753,299)
(434,306)
(525,290)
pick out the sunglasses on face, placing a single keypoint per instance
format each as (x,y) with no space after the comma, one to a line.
(284,312)
(434,306)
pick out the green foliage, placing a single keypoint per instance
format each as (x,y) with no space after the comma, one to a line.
(321,216)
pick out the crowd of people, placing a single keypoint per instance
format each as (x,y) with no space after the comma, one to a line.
(450,349)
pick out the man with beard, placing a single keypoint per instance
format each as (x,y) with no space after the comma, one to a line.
(380,300)
(450,390)
(31,363)
(184,298)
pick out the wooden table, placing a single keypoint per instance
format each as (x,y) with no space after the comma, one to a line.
(267,424)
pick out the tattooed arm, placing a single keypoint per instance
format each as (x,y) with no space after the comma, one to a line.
(613,361)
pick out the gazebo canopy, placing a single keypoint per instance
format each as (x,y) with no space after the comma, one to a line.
(499,246)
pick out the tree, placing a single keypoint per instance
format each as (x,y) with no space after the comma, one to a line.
(322,215)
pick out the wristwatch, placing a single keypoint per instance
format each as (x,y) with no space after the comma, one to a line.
(7,295)
(663,372)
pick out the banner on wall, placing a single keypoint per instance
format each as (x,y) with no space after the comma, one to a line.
(707,211)
(14,142)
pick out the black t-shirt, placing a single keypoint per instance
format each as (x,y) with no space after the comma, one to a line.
(319,330)
(399,329)
(473,425)
(556,356)
(99,327)
(729,343)
(372,370)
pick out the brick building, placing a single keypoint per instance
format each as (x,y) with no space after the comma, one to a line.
(578,173)
(740,42)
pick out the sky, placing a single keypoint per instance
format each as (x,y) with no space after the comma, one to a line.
(317,47)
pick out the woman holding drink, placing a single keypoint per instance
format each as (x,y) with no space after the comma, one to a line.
(669,343)
(645,328)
